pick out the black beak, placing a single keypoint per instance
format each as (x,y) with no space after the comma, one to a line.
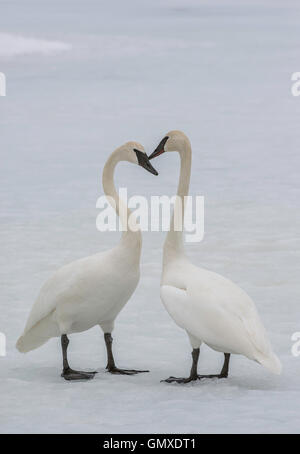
(143,161)
(159,149)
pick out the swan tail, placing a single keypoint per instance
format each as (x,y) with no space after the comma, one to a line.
(38,335)
(27,342)
(271,363)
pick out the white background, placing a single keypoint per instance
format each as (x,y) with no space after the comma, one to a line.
(85,76)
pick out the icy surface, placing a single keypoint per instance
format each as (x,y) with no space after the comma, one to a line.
(218,70)
(13,45)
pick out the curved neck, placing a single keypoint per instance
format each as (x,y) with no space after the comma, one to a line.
(129,236)
(174,240)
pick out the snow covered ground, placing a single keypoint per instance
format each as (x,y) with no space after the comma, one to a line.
(81,80)
(13,45)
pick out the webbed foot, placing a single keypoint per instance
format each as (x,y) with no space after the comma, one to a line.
(117,371)
(71,375)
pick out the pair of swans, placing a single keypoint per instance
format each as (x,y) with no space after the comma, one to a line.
(92,291)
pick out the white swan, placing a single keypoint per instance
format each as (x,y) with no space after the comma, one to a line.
(211,308)
(93,290)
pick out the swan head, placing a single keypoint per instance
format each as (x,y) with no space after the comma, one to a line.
(135,153)
(173,141)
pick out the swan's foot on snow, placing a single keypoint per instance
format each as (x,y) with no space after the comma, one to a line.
(67,372)
(192,378)
(111,367)
(194,375)
(117,371)
(179,380)
(212,376)
(70,374)
(224,371)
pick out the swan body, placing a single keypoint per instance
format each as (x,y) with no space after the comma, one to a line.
(81,295)
(209,307)
(214,310)
(93,290)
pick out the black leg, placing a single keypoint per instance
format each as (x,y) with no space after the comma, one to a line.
(225,368)
(224,371)
(193,374)
(111,366)
(68,373)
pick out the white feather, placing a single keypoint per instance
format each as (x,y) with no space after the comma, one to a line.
(211,308)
